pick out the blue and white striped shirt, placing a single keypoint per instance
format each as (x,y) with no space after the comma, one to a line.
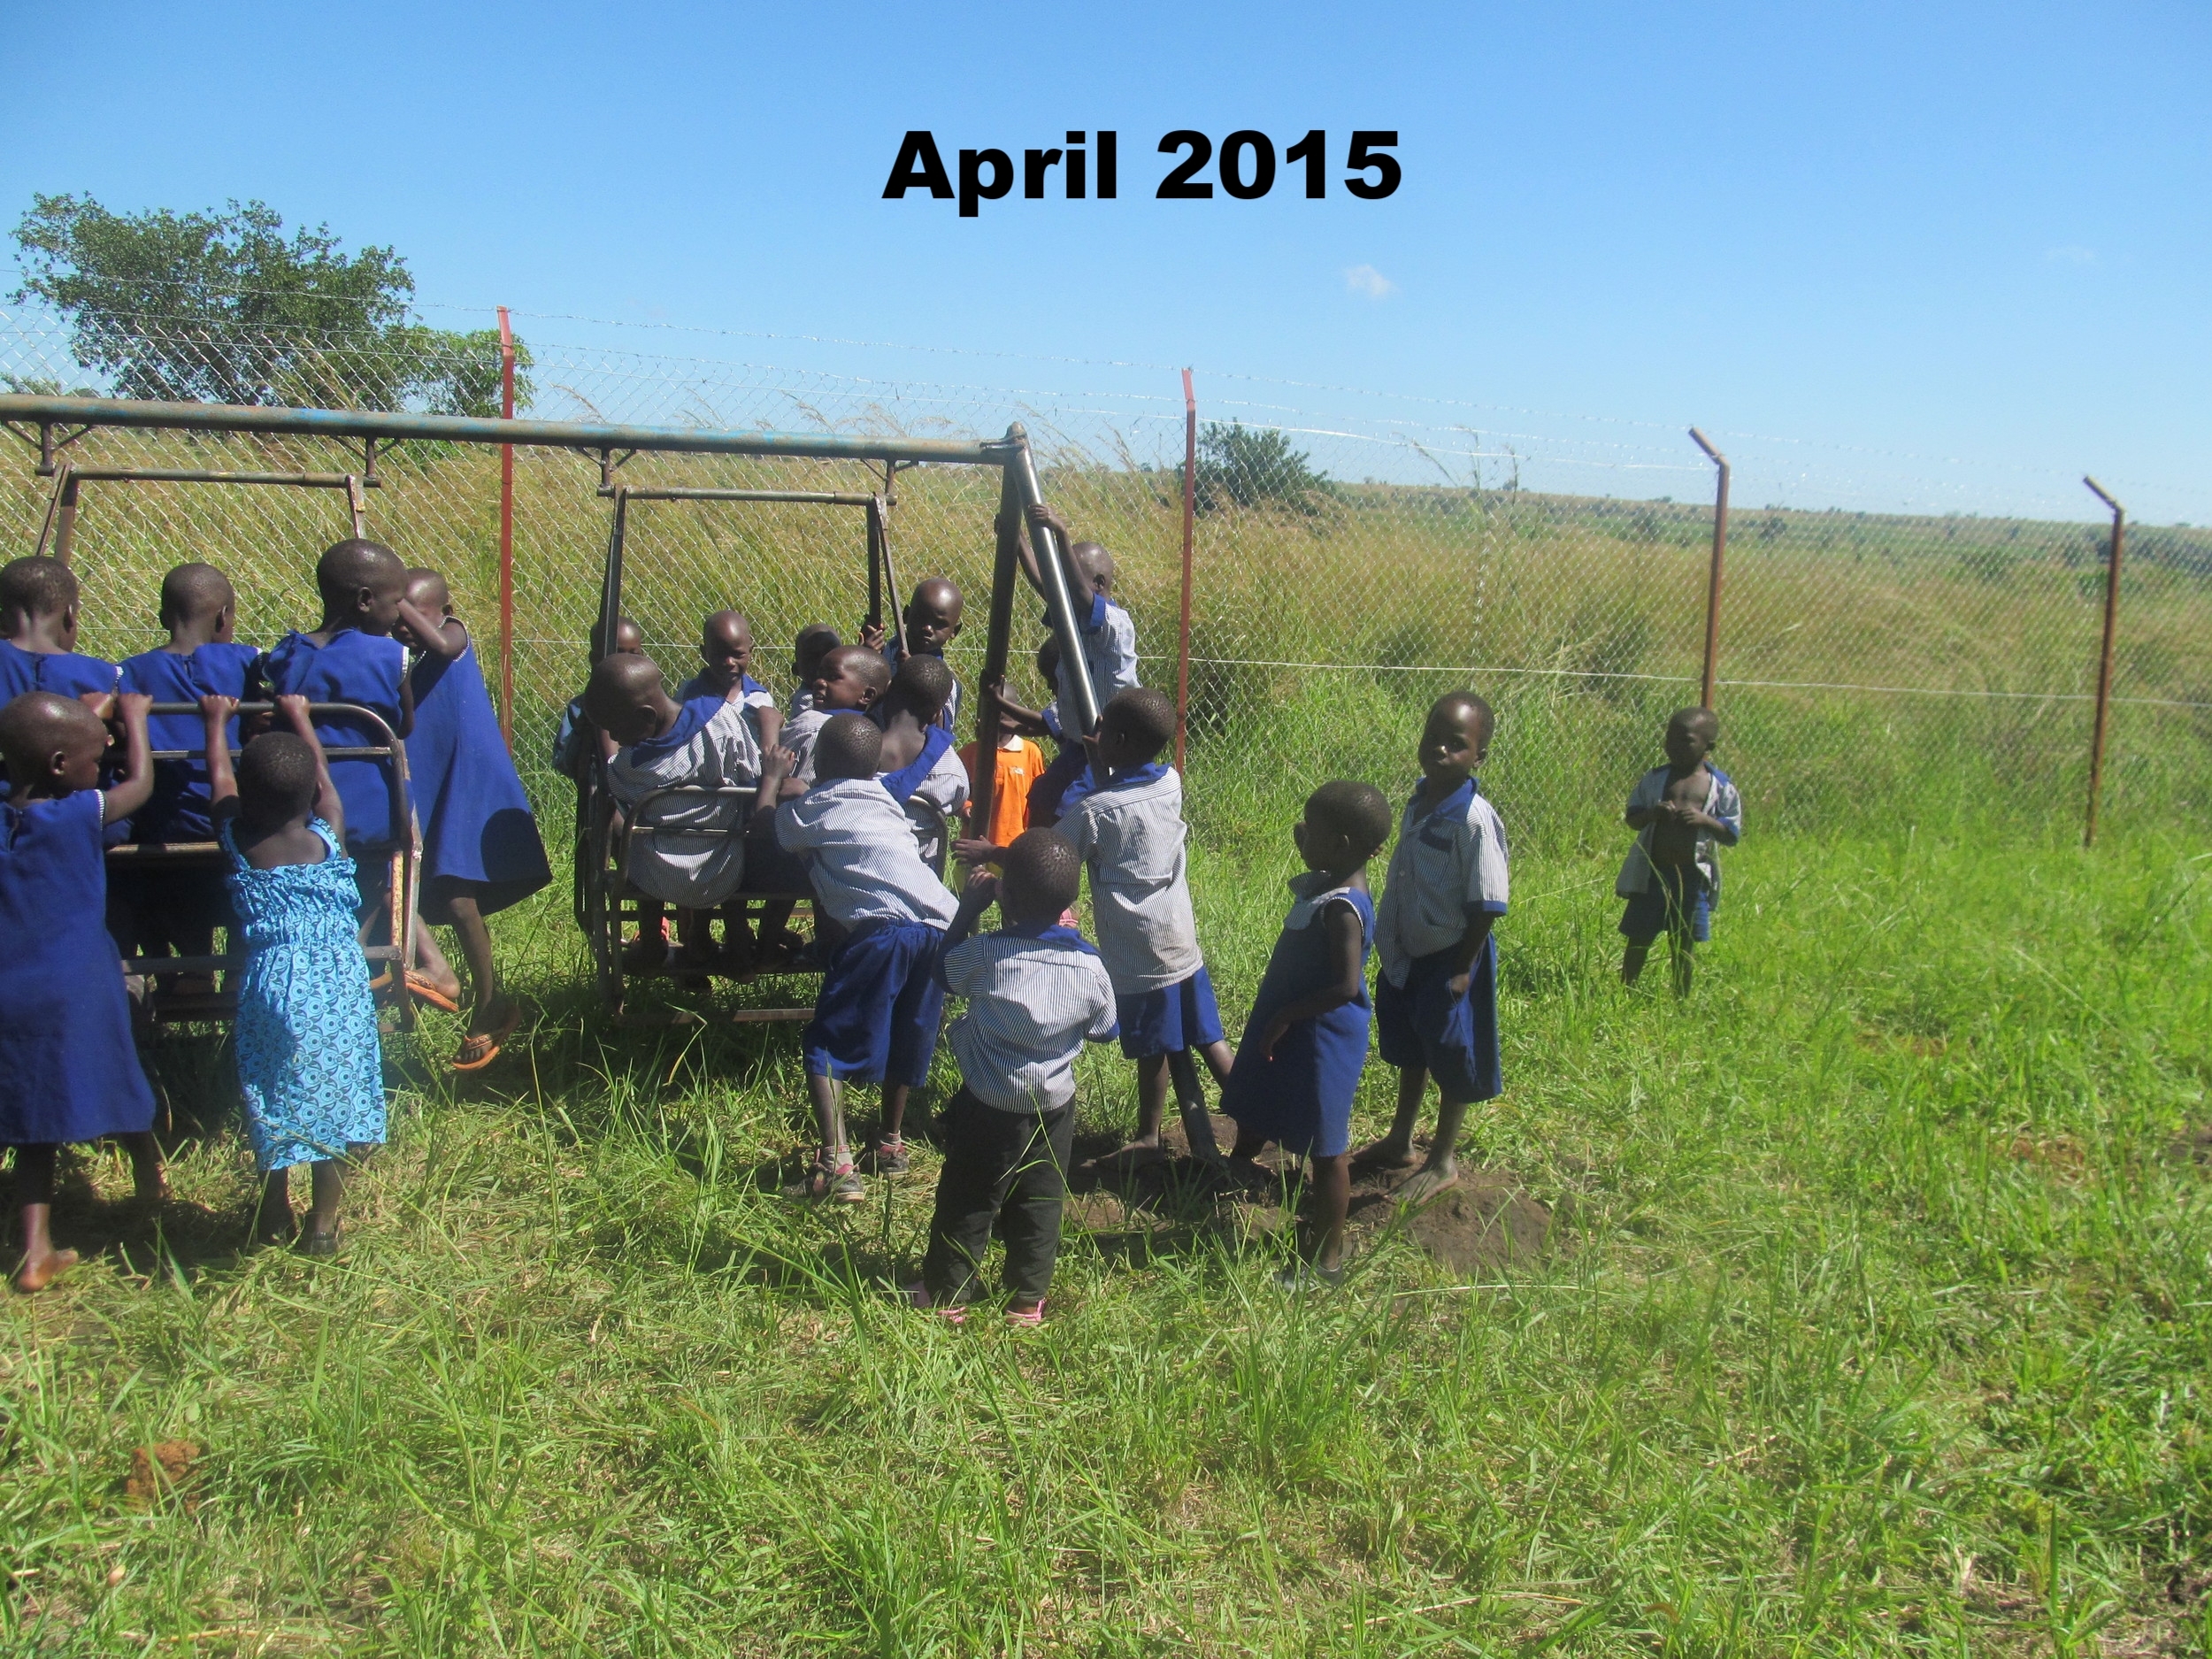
(1034,1000)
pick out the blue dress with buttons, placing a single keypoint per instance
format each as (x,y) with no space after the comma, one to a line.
(1301,1097)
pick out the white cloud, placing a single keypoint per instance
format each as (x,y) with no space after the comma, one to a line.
(1365,279)
(2070,255)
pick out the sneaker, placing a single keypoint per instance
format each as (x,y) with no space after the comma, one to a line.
(890,1155)
(1027,1318)
(917,1298)
(828,1177)
(1310,1275)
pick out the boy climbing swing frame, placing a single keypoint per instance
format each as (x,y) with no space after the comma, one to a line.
(51,426)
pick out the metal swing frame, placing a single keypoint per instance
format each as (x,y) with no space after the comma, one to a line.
(51,426)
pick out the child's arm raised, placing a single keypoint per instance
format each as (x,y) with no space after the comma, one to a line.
(1013,717)
(1341,928)
(328,807)
(975,898)
(135,787)
(222,782)
(434,635)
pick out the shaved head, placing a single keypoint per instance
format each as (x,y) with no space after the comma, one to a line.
(937,592)
(627,637)
(860,662)
(849,746)
(194,593)
(617,681)
(37,587)
(1458,703)
(427,589)
(727,626)
(1095,563)
(1043,875)
(923,684)
(1144,716)
(354,564)
(276,780)
(39,725)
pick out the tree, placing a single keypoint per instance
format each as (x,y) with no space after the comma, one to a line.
(1248,466)
(225,308)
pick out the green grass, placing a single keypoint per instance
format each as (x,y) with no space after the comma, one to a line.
(1876,1320)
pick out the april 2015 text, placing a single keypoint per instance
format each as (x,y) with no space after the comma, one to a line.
(1245,166)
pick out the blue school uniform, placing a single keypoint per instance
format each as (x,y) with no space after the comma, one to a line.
(310,1066)
(349,667)
(877,1014)
(1300,1098)
(65,674)
(1448,865)
(177,810)
(479,835)
(68,1069)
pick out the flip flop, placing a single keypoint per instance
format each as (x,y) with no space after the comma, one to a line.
(421,987)
(495,1038)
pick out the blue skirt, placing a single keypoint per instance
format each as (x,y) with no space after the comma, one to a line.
(1171,1019)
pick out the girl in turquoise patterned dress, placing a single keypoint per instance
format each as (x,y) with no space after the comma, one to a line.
(309,1065)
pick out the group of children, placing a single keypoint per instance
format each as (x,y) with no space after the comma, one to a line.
(298,873)
(855,796)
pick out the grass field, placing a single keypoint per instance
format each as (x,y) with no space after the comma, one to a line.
(1875,1316)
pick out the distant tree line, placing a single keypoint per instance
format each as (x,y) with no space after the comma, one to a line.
(224,307)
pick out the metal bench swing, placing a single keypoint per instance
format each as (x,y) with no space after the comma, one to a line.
(606,903)
(52,425)
(166,1001)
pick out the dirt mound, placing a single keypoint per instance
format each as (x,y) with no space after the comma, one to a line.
(1484,1222)
(159,1469)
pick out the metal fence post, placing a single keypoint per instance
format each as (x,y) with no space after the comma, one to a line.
(1712,579)
(507,536)
(1190,532)
(2104,660)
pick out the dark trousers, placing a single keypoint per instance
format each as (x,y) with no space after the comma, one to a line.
(1009,1168)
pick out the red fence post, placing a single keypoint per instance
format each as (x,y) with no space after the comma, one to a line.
(506,536)
(1190,524)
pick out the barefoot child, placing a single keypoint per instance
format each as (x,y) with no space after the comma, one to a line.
(1436,1004)
(919,767)
(1129,830)
(309,1069)
(480,848)
(930,622)
(876,1018)
(350,656)
(1682,813)
(68,1070)
(1036,994)
(177,909)
(684,850)
(1305,1044)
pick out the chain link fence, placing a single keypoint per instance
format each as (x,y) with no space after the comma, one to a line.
(1875,665)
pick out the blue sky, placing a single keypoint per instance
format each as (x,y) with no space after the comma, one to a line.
(1972,236)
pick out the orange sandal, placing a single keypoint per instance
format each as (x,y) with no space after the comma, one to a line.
(480,1049)
(425,990)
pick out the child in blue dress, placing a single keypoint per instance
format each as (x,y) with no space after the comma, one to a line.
(68,1069)
(480,848)
(177,909)
(1306,1043)
(350,656)
(38,642)
(309,1065)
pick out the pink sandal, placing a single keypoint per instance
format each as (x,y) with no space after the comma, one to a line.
(918,1299)
(1027,1318)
